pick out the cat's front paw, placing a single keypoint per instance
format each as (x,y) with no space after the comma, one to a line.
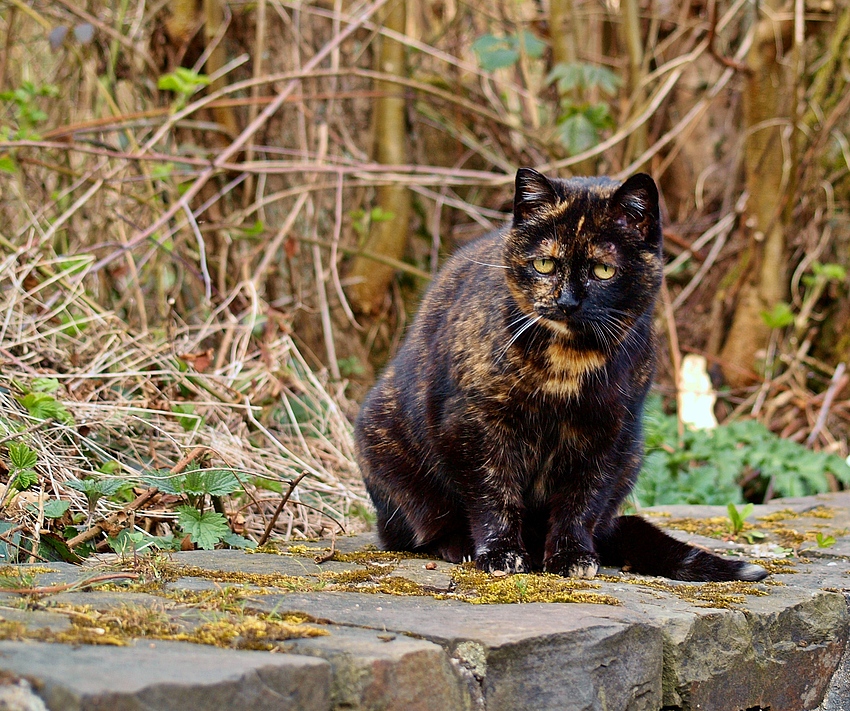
(503,560)
(571,565)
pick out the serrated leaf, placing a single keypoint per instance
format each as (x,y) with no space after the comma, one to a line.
(234,540)
(165,482)
(44,385)
(22,456)
(205,529)
(220,482)
(24,479)
(56,508)
(44,406)
(577,133)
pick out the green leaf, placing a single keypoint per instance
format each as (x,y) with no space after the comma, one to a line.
(54,548)
(214,482)
(44,385)
(534,46)
(234,540)
(96,489)
(56,508)
(164,481)
(824,541)
(24,479)
(577,133)
(44,406)
(21,456)
(495,53)
(205,529)
(779,317)
(7,164)
(830,272)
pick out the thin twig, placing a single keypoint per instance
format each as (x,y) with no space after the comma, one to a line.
(78,585)
(836,384)
(277,511)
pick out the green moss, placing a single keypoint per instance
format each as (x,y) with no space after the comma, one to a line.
(260,580)
(788,514)
(721,595)
(120,625)
(480,588)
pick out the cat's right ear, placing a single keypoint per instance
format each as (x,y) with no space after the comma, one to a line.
(533,193)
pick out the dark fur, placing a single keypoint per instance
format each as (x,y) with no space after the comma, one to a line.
(513,445)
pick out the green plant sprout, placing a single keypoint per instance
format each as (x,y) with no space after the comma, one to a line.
(205,528)
(824,541)
(22,474)
(737,518)
(183,82)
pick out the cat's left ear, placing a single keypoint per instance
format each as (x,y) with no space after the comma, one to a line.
(533,192)
(635,207)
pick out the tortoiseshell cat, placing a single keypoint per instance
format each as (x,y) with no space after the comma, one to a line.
(508,427)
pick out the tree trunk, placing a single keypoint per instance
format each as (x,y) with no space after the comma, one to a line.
(386,237)
(768,96)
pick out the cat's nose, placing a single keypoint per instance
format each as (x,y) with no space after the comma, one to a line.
(568,302)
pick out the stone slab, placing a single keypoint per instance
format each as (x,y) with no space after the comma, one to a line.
(167,676)
(392,672)
(532,656)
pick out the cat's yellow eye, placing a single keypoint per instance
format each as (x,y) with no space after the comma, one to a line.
(603,271)
(543,265)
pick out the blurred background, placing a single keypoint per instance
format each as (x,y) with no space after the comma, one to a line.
(217,218)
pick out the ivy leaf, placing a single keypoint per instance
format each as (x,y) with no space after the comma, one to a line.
(205,529)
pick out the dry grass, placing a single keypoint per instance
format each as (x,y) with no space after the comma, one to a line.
(265,415)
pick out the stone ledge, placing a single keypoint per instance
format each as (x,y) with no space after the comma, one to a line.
(723,647)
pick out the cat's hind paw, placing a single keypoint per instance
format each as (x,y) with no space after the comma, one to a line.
(572,566)
(504,561)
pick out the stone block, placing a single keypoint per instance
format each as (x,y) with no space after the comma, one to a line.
(517,657)
(167,676)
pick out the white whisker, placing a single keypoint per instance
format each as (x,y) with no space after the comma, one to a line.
(520,331)
(485,264)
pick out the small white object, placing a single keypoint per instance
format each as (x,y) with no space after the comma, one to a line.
(696,396)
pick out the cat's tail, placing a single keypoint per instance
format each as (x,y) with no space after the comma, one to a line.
(630,541)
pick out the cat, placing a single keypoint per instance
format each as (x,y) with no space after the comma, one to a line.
(507,429)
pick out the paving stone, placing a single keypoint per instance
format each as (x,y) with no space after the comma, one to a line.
(35,619)
(784,650)
(388,672)
(166,676)
(531,656)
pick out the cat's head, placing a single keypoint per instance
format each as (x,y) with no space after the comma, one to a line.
(584,254)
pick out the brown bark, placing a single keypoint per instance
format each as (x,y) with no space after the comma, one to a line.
(387,237)
(768,95)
